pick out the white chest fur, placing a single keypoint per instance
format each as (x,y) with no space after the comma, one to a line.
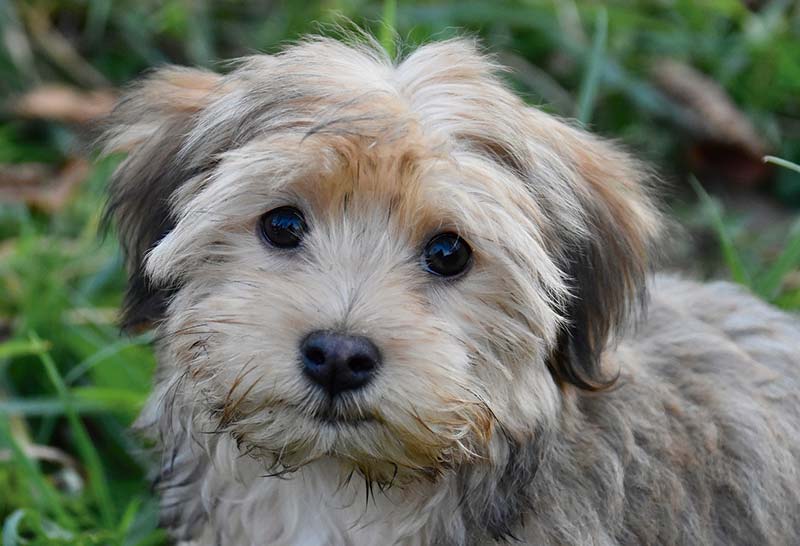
(315,506)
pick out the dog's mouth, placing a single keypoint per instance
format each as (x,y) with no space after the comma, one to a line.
(336,413)
(330,413)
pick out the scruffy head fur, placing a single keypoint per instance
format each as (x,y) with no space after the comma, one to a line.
(481,375)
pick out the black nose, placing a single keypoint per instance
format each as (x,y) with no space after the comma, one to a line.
(339,362)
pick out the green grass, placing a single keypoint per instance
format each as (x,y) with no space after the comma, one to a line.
(767,282)
(588,90)
(71,384)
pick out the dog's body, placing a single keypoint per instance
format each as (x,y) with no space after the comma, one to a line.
(318,204)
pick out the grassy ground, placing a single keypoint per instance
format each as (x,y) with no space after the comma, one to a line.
(70,386)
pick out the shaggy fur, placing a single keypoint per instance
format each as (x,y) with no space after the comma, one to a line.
(513,403)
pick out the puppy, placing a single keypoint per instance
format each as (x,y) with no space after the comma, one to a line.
(395,305)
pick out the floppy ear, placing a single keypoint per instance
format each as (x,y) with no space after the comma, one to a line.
(606,261)
(151,124)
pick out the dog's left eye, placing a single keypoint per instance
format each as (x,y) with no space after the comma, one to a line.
(447,255)
(283,227)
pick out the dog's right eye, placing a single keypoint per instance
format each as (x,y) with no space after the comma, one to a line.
(447,255)
(283,227)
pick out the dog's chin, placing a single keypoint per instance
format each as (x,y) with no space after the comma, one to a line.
(286,440)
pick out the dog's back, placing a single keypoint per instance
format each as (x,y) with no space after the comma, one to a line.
(699,443)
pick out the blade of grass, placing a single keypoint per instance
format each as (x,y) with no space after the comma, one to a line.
(43,406)
(143,530)
(113,400)
(103,355)
(199,41)
(770,283)
(84,400)
(782,162)
(155,538)
(97,14)
(591,78)
(44,531)
(88,454)
(33,476)
(11,535)
(729,252)
(129,516)
(387,32)
(20,347)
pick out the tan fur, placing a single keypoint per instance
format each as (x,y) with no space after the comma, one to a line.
(480,426)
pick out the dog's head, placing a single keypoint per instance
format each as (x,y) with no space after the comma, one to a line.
(384,263)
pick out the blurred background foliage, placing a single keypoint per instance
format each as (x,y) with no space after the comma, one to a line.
(701,90)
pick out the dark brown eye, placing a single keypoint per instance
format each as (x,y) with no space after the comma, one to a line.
(283,227)
(447,255)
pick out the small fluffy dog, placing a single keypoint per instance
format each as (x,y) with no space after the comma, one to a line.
(390,303)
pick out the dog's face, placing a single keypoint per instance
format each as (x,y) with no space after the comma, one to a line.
(390,265)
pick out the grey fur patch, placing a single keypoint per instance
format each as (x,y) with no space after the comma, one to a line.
(495,501)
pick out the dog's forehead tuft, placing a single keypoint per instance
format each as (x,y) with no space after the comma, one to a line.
(448,89)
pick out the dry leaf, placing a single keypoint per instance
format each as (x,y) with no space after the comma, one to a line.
(63,103)
(725,144)
(39,186)
(42,453)
(58,48)
(23,174)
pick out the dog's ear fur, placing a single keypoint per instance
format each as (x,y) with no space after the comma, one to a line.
(150,124)
(607,261)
